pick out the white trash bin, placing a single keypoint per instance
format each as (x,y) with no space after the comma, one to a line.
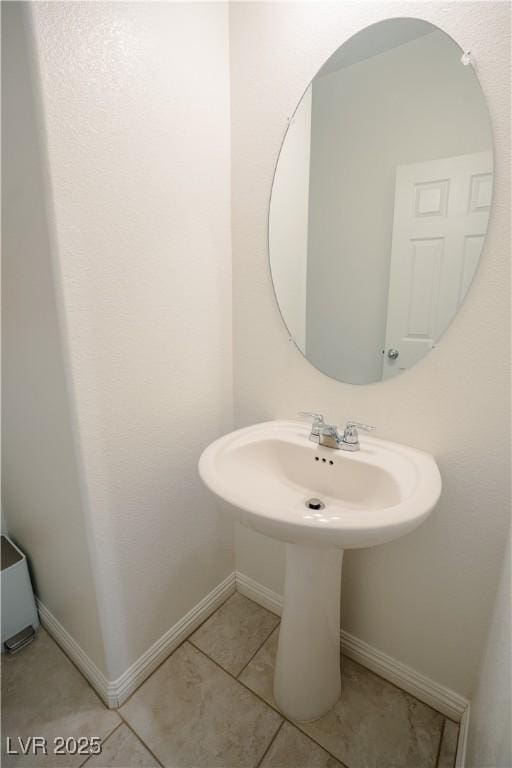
(19,613)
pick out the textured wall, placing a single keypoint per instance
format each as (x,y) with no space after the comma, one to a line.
(42,489)
(490,738)
(136,107)
(426,598)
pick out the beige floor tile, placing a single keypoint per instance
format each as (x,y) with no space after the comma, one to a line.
(374,724)
(448,749)
(43,694)
(235,632)
(123,749)
(259,674)
(191,713)
(293,749)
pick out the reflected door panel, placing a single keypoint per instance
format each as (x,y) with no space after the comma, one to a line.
(440,220)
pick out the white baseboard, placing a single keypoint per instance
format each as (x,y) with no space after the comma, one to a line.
(260,594)
(423,688)
(72,649)
(149,661)
(460,760)
(115,692)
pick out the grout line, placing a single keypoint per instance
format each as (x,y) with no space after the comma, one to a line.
(95,692)
(259,648)
(143,682)
(140,739)
(438,755)
(89,757)
(272,706)
(185,640)
(228,598)
(242,684)
(270,744)
(344,655)
(284,719)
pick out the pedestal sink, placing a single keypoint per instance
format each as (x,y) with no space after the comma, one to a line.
(319,501)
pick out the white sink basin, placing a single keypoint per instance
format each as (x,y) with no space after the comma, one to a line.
(267,473)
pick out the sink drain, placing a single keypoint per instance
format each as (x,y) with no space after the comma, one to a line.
(315,504)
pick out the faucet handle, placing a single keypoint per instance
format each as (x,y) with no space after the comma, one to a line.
(358,425)
(350,435)
(317,423)
(315,416)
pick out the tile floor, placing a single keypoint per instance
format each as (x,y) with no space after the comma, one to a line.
(210,704)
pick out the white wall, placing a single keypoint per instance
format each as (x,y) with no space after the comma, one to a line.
(419,103)
(135,104)
(135,100)
(288,222)
(490,737)
(424,599)
(43,495)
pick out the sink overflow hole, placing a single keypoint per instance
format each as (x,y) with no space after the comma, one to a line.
(315,504)
(317,458)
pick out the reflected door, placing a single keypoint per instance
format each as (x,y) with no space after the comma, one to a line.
(440,220)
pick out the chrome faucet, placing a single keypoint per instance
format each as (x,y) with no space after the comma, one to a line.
(329,436)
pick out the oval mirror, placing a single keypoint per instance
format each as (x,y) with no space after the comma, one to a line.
(380,201)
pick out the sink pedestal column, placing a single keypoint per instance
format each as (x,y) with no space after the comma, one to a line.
(307,680)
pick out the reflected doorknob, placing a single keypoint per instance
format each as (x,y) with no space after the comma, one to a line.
(393,354)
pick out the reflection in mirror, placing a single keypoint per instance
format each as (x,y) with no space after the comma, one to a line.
(380,201)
